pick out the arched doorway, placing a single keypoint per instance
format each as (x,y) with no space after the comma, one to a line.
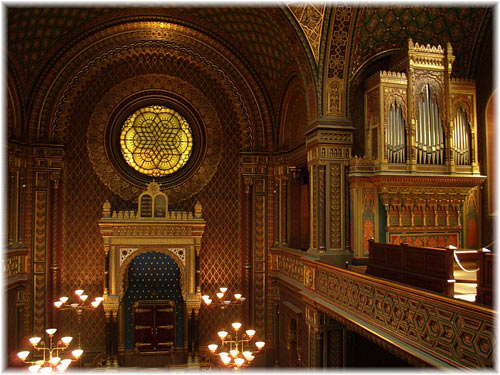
(153,279)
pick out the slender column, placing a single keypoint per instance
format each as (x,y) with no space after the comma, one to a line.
(190,330)
(196,331)
(55,247)
(109,354)
(284,210)
(247,267)
(115,338)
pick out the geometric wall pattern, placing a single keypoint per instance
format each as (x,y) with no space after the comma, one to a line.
(153,276)
(83,255)
(385,28)
(310,18)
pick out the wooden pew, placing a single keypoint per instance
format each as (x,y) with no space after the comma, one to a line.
(485,278)
(423,267)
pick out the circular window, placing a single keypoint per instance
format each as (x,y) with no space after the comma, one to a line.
(156,141)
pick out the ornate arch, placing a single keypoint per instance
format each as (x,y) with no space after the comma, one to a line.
(124,268)
(293,106)
(210,57)
(15,104)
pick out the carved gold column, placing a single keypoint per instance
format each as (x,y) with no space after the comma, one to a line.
(315,322)
(255,167)
(281,174)
(48,162)
(328,153)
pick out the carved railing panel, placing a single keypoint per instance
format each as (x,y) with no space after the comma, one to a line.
(453,332)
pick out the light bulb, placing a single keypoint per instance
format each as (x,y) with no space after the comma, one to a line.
(242,299)
(251,358)
(58,304)
(222,334)
(213,347)
(66,340)
(55,360)
(23,355)
(250,332)
(84,297)
(205,297)
(223,290)
(77,353)
(234,352)
(237,296)
(208,301)
(236,326)
(51,331)
(46,370)
(223,354)
(66,362)
(63,299)
(239,361)
(61,368)
(35,340)
(99,299)
(227,302)
(94,304)
(34,368)
(225,360)
(220,295)
(79,292)
(74,305)
(247,355)
(260,344)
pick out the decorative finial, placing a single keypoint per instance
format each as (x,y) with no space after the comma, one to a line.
(106,209)
(198,209)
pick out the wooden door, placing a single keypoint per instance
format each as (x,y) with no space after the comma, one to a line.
(154,326)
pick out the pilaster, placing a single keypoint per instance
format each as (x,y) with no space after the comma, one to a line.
(328,154)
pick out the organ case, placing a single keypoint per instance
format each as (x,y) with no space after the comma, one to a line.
(420,163)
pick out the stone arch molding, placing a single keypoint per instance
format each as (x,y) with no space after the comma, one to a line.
(136,251)
(62,84)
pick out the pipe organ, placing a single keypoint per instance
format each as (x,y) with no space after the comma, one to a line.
(419,173)
(429,140)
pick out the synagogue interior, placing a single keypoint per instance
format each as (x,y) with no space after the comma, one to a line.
(294,185)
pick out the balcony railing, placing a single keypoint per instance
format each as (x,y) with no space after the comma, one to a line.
(439,330)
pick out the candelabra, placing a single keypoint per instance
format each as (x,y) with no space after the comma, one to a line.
(232,351)
(50,360)
(220,301)
(79,307)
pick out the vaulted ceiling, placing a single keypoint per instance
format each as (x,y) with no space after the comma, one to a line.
(273,41)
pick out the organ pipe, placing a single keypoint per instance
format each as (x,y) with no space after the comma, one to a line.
(396,139)
(461,139)
(429,135)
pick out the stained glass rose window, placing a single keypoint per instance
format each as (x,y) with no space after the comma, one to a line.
(156,141)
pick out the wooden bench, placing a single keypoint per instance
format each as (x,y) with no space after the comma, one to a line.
(423,267)
(485,278)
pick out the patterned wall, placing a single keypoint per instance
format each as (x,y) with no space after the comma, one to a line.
(385,28)
(83,256)
(153,276)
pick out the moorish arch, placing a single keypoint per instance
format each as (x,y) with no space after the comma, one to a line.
(119,40)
